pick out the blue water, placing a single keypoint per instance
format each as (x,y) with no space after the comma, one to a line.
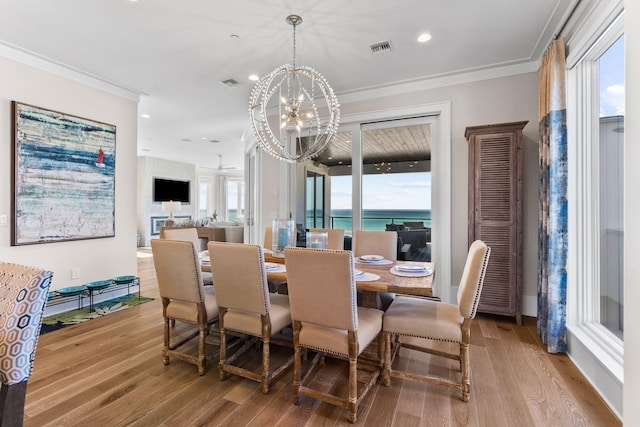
(377,219)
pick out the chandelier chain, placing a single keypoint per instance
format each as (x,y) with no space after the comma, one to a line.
(294,45)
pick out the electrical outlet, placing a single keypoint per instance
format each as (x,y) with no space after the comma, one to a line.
(3,220)
(75,273)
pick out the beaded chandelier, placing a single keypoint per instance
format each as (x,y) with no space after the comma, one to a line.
(294,112)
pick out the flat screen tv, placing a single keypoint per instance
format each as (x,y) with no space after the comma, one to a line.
(166,190)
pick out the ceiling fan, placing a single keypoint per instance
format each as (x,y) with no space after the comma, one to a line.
(222,166)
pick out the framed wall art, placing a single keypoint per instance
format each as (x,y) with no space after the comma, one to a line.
(63,182)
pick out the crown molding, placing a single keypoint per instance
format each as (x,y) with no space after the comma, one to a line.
(437,81)
(32,59)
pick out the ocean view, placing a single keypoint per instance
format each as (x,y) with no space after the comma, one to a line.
(376,219)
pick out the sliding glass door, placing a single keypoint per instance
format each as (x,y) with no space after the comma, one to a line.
(315,200)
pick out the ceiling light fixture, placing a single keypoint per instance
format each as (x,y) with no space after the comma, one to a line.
(424,37)
(286,106)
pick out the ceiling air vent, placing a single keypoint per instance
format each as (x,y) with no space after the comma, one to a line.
(230,82)
(381,47)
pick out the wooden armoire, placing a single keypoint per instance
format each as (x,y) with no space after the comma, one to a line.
(495,212)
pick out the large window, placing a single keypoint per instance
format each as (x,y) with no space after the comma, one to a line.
(231,199)
(396,174)
(205,199)
(235,200)
(595,124)
(610,67)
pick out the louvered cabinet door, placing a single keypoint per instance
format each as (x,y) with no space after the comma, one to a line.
(495,212)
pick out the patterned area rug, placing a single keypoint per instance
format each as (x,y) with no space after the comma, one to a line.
(60,320)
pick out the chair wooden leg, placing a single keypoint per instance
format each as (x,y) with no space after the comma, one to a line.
(353,388)
(223,353)
(12,403)
(201,342)
(353,378)
(464,366)
(297,362)
(167,337)
(386,373)
(265,365)
(380,351)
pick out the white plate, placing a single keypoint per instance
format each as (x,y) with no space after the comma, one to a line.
(371,258)
(410,268)
(271,265)
(358,273)
(205,259)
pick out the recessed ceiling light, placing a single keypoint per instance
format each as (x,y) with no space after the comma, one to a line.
(254,77)
(185,140)
(424,37)
(145,116)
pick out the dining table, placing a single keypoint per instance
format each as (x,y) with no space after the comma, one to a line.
(384,276)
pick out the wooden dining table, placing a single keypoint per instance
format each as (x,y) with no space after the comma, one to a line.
(388,282)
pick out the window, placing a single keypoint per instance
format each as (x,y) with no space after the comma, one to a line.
(610,67)
(595,123)
(234,210)
(396,173)
(345,186)
(315,200)
(205,201)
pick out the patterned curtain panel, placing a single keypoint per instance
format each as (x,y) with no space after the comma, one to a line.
(553,238)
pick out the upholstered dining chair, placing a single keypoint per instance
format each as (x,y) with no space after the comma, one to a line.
(384,243)
(326,320)
(437,321)
(182,233)
(184,297)
(23,295)
(335,237)
(268,242)
(247,307)
(189,234)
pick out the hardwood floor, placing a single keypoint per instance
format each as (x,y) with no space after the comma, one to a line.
(109,372)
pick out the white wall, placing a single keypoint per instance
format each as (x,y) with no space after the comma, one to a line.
(98,259)
(275,202)
(631,214)
(148,168)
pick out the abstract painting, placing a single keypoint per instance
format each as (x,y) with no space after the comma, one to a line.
(63,178)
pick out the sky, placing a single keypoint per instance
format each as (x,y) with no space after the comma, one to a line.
(612,80)
(385,191)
